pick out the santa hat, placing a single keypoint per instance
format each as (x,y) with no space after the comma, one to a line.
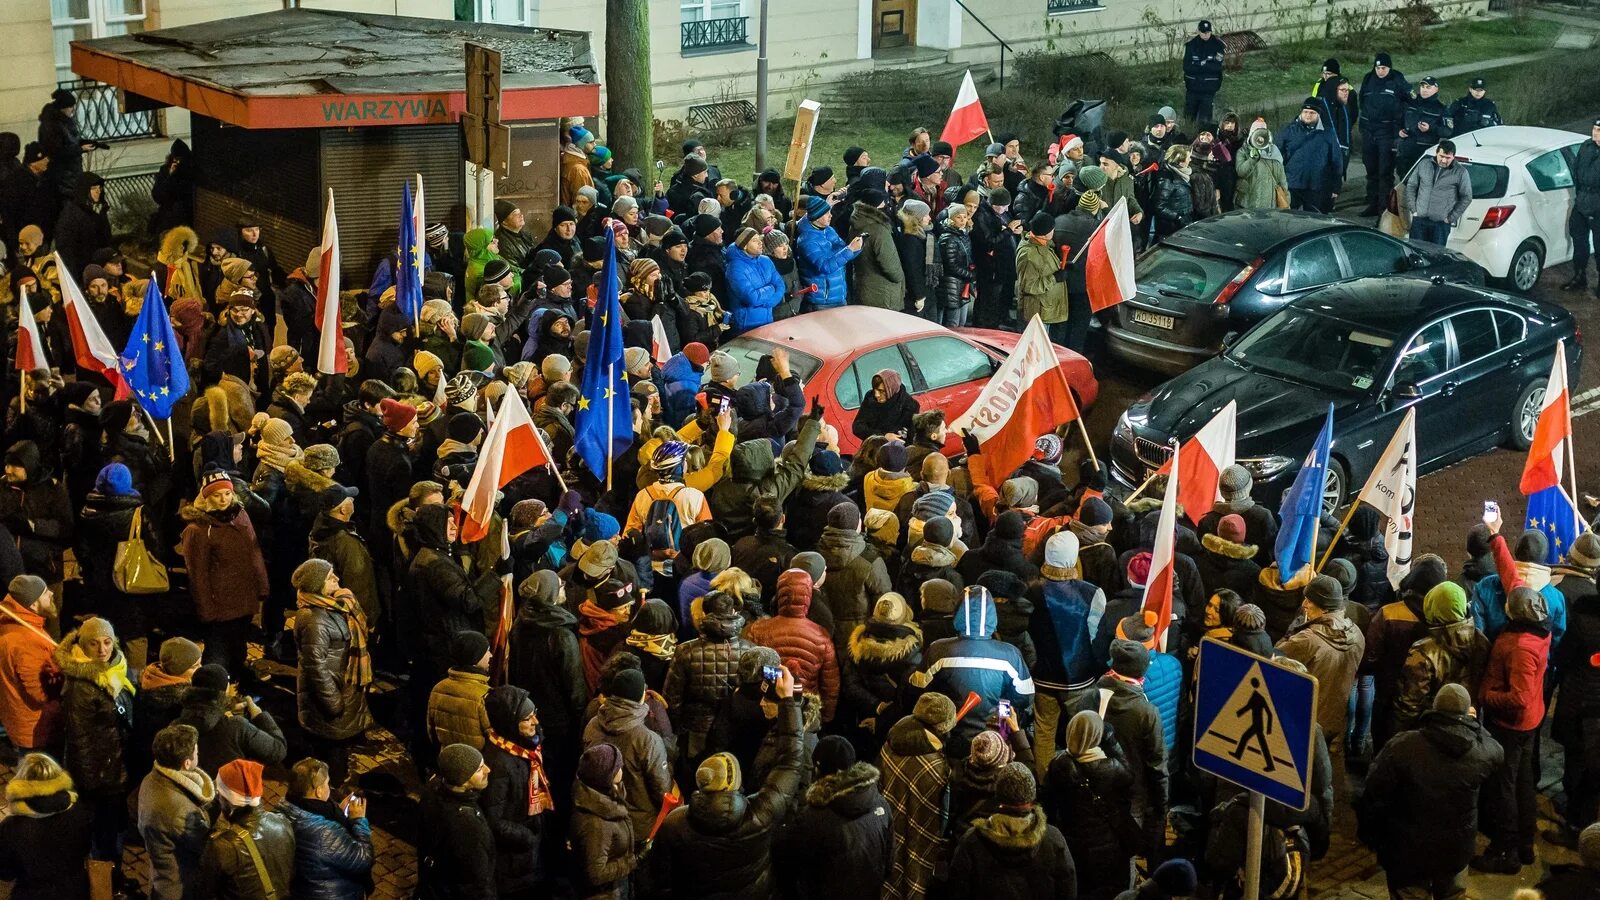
(239,782)
(1068,141)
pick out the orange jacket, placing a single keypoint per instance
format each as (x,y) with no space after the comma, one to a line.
(30,683)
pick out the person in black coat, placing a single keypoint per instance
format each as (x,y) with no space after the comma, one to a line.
(1202,73)
(84,226)
(230,728)
(389,461)
(1014,854)
(1088,789)
(705,254)
(332,842)
(840,842)
(63,143)
(518,793)
(44,841)
(913,240)
(451,601)
(237,344)
(887,408)
(455,845)
(173,189)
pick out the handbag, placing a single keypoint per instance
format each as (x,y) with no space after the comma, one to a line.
(1280,197)
(135,570)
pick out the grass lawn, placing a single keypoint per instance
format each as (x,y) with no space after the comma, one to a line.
(1269,77)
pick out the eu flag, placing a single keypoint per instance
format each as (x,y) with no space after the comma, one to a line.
(604,427)
(1301,512)
(1552,512)
(408,268)
(152,363)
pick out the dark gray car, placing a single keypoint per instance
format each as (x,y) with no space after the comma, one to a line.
(1228,272)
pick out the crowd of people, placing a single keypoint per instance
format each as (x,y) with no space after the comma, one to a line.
(737,663)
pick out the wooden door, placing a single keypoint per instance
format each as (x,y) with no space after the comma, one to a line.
(894,24)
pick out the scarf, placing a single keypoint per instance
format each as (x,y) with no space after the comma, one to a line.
(112,677)
(1090,755)
(593,620)
(278,456)
(539,797)
(660,646)
(358,663)
(153,677)
(194,782)
(706,306)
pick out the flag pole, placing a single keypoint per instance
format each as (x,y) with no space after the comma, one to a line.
(22,396)
(172,452)
(1140,489)
(1077,413)
(611,377)
(1579,526)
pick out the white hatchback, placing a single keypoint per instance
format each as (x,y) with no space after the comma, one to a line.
(1521,197)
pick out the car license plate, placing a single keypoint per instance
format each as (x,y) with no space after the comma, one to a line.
(1154,320)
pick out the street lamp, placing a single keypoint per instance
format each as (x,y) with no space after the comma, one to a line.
(761,90)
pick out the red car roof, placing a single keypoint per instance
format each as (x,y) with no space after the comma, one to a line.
(830,333)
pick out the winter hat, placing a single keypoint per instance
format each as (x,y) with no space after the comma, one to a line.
(1094,512)
(234,268)
(820,176)
(892,457)
(626,684)
(214,481)
(636,362)
(1176,878)
(210,677)
(527,513)
(851,154)
(396,415)
(1453,698)
(1001,583)
(1015,787)
(845,515)
(1140,627)
(1585,551)
(1085,731)
(833,754)
(826,462)
(27,589)
(1589,846)
(1325,593)
(1047,449)
(502,209)
(1381,59)
(1343,571)
(239,782)
(1332,65)
(1250,617)
(277,432)
(694,165)
(458,763)
(753,660)
(723,367)
(892,609)
(178,655)
(1139,569)
(95,628)
(424,363)
(1532,546)
(463,387)
(655,226)
(1021,492)
(939,596)
(1009,526)
(1000,197)
(467,649)
(1060,556)
(816,208)
(720,772)
(705,226)
(1092,178)
(322,456)
(674,238)
(1236,483)
(1042,224)
(712,555)
(1445,602)
(1130,659)
(939,531)
(1231,528)
(915,208)
(464,427)
(811,563)
(598,766)
(882,525)
(1527,606)
(554,368)
(936,712)
(599,559)
(989,751)
(933,505)
(311,575)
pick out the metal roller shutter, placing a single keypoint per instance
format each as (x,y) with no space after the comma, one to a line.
(367,167)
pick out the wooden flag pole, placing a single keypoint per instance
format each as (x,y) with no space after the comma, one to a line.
(22,396)
(1140,489)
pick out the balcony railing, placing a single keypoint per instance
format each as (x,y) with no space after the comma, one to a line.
(100,118)
(714,34)
(1056,7)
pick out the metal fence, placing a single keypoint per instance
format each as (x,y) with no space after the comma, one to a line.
(100,118)
(712,34)
(1052,7)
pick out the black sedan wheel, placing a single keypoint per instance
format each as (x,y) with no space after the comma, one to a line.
(1334,486)
(1525,415)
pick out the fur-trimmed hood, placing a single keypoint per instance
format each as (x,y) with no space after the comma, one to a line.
(177,244)
(301,480)
(1215,544)
(825,483)
(852,793)
(933,556)
(1010,832)
(40,799)
(879,642)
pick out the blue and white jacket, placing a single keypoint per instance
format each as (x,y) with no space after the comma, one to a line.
(974,661)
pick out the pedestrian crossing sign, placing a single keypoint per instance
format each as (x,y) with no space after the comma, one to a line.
(1253,723)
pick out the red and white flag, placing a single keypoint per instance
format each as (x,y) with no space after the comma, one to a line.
(660,348)
(30,348)
(1107,260)
(330,345)
(90,348)
(1026,397)
(967,120)
(1204,457)
(512,447)
(1158,587)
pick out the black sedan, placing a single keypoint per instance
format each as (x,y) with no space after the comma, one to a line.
(1473,362)
(1228,272)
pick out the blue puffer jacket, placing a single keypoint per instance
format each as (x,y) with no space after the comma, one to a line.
(331,862)
(974,661)
(1163,684)
(680,382)
(754,288)
(1312,159)
(822,255)
(1066,616)
(1489,603)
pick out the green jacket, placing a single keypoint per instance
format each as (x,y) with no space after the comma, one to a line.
(1121,188)
(879,281)
(1038,291)
(1260,171)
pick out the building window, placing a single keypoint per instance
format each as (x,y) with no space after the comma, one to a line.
(508,12)
(1061,7)
(100,117)
(713,26)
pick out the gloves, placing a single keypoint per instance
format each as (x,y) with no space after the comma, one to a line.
(1063,274)
(969,442)
(817,409)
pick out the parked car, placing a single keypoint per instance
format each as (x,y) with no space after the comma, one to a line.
(1521,197)
(1473,362)
(1228,272)
(835,352)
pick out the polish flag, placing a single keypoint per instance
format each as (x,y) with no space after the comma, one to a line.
(1204,457)
(1107,260)
(1158,588)
(967,120)
(330,345)
(1548,453)
(90,348)
(512,447)
(1027,396)
(660,347)
(30,348)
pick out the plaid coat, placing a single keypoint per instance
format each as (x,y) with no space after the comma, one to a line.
(916,784)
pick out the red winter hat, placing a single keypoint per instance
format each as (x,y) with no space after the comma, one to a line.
(396,415)
(1139,569)
(697,353)
(1231,528)
(239,782)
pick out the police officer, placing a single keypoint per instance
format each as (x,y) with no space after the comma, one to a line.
(1202,72)
(1382,114)
(1475,110)
(1426,124)
(1584,224)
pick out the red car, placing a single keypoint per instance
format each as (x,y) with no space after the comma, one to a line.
(836,352)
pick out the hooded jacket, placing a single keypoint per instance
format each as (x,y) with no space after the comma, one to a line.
(916,785)
(1489,601)
(1261,173)
(98,701)
(879,280)
(1452,652)
(755,473)
(450,600)
(807,509)
(603,842)
(1225,564)
(517,832)
(1013,856)
(974,662)
(1330,646)
(45,840)
(803,645)
(225,735)
(1067,616)
(545,662)
(646,774)
(1512,690)
(703,673)
(38,513)
(227,575)
(839,844)
(175,810)
(855,579)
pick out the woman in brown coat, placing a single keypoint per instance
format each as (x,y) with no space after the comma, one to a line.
(227,576)
(602,834)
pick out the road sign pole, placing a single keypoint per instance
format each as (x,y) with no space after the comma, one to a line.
(761,93)
(1252,847)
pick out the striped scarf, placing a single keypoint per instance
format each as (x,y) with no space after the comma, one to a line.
(539,797)
(358,662)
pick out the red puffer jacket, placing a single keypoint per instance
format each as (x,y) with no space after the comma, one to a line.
(1513,685)
(804,646)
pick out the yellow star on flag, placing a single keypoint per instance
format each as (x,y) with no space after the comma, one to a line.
(147,338)
(583,403)
(160,346)
(609,393)
(165,391)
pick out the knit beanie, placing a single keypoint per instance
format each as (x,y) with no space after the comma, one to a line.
(939,531)
(1009,526)
(712,555)
(1324,592)
(311,575)
(720,772)
(1094,512)
(1453,698)
(1020,493)
(210,677)
(396,415)
(1139,568)
(892,457)
(1085,731)
(95,628)
(467,649)
(115,481)
(1585,551)
(27,589)
(277,432)
(936,713)
(1139,627)
(1445,603)
(723,367)
(1015,787)
(178,655)
(845,516)
(834,754)
(554,368)
(1250,617)
(933,504)
(1130,659)
(598,766)
(891,609)
(810,562)
(753,660)
(1060,555)
(1235,483)
(1532,546)
(239,782)
(626,684)
(1176,878)
(1091,178)
(1231,528)
(1343,571)
(939,596)
(458,763)
(989,751)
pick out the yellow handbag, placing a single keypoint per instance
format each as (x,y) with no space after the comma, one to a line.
(135,571)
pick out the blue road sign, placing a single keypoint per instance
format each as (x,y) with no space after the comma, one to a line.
(1253,723)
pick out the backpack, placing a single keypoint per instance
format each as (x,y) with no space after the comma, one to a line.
(663,530)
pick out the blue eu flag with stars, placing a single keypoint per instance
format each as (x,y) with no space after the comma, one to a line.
(1301,512)
(604,427)
(408,268)
(1551,511)
(152,363)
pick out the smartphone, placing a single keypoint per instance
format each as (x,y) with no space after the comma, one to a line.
(770,673)
(1491,510)
(1002,714)
(723,406)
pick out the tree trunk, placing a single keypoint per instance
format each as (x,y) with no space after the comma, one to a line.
(630,118)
